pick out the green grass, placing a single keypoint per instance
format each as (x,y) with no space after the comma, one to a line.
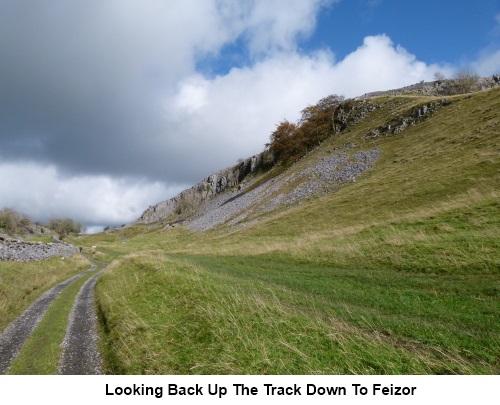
(397,273)
(273,315)
(40,354)
(23,283)
(40,238)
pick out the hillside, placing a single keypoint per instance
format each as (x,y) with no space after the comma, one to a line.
(253,187)
(375,252)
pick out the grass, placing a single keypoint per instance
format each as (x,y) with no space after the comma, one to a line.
(40,238)
(40,354)
(270,315)
(23,283)
(397,273)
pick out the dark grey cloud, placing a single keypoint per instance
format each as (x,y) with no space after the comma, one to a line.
(81,84)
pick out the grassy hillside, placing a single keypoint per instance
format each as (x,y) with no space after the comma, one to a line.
(396,272)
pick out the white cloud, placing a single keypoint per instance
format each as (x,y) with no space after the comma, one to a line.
(488,63)
(276,25)
(232,116)
(43,193)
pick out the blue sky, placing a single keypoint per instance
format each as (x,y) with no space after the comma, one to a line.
(110,106)
(443,32)
(436,31)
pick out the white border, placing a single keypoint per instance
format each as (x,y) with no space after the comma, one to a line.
(75,390)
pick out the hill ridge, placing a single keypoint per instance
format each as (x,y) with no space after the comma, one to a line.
(222,196)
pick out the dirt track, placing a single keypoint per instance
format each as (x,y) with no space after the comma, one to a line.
(80,355)
(80,352)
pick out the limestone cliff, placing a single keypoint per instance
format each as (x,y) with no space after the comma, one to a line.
(188,200)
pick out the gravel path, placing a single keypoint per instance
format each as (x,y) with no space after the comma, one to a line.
(80,352)
(13,337)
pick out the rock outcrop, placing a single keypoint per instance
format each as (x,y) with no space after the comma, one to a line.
(399,124)
(329,173)
(19,251)
(436,88)
(188,200)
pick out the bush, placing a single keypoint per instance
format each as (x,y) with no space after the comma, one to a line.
(14,223)
(464,81)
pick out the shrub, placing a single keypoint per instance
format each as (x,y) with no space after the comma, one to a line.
(13,222)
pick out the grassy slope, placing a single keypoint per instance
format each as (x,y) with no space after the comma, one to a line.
(23,283)
(395,273)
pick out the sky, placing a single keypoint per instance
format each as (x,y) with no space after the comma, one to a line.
(109,106)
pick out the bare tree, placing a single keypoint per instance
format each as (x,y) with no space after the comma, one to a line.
(439,77)
(466,80)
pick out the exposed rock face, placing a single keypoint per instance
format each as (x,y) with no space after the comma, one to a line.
(189,201)
(18,251)
(329,173)
(213,185)
(399,124)
(436,88)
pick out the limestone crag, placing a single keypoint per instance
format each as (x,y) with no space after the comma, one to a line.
(19,251)
(215,184)
(399,124)
(435,88)
(328,174)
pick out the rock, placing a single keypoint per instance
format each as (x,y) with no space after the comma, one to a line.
(329,173)
(210,187)
(11,249)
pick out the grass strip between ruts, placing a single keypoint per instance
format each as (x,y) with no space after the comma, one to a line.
(40,354)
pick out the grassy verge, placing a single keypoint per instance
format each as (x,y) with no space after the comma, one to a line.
(275,315)
(41,352)
(23,283)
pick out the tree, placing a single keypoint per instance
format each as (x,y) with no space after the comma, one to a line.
(318,121)
(284,141)
(13,222)
(439,77)
(466,80)
(65,226)
(290,141)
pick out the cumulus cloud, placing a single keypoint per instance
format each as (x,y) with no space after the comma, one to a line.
(43,193)
(488,63)
(233,115)
(85,81)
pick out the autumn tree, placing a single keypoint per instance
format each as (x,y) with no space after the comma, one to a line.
(289,141)
(284,143)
